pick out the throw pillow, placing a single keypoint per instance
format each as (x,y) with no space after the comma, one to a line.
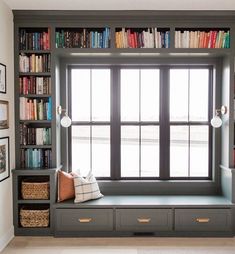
(86,188)
(65,185)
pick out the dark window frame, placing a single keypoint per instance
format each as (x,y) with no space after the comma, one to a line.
(164,122)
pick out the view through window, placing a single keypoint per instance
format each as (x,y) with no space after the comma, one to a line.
(126,117)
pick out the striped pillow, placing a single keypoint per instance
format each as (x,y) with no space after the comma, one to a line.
(86,188)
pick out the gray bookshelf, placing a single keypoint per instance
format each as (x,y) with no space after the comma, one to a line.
(18,202)
(223,181)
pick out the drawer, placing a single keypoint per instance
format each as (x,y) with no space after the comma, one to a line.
(84,220)
(203,220)
(143,220)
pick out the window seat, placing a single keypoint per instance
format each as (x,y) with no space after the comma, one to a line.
(114,201)
(156,215)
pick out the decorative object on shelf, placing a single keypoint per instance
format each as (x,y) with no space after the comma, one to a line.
(4,113)
(65,120)
(216,121)
(4,158)
(32,189)
(32,218)
(3,78)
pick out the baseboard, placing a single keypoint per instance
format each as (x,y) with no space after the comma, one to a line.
(6,238)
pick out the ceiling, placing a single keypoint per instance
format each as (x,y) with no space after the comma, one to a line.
(121,4)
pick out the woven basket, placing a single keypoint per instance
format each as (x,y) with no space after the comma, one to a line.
(34,218)
(35,190)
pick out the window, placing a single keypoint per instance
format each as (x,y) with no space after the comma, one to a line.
(90,94)
(189,123)
(141,122)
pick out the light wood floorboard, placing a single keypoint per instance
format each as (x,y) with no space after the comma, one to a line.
(135,245)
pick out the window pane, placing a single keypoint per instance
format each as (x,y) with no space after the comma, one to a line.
(80,94)
(150,151)
(129,151)
(198,106)
(101,95)
(129,95)
(179,151)
(81,149)
(149,95)
(101,151)
(199,151)
(179,95)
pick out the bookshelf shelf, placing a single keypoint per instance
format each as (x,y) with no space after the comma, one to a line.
(38,201)
(35,121)
(36,146)
(34,74)
(84,37)
(34,51)
(202,38)
(35,95)
(150,37)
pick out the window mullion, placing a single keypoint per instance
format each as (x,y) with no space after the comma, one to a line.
(164,123)
(115,124)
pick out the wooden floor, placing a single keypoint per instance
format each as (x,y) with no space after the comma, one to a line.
(146,245)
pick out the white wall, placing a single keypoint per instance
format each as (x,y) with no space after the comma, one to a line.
(122,4)
(6,57)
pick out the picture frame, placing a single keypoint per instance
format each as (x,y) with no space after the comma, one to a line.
(3,78)
(4,158)
(4,114)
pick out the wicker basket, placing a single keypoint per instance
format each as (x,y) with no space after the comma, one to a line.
(35,190)
(34,218)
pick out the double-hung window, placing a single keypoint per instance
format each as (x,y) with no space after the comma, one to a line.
(141,122)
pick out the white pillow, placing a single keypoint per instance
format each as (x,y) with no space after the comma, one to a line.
(86,188)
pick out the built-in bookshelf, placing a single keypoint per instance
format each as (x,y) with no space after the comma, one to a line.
(82,37)
(42,51)
(142,37)
(35,98)
(202,38)
(34,39)
(34,122)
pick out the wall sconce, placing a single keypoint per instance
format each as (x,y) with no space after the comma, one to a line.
(65,120)
(216,121)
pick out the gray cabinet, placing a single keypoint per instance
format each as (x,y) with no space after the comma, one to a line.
(203,220)
(88,220)
(48,175)
(144,220)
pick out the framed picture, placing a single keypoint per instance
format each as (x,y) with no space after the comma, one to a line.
(4,158)
(3,78)
(4,113)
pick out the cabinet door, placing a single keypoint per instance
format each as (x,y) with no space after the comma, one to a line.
(85,220)
(203,219)
(143,220)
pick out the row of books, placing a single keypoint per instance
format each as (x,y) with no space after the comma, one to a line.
(35,158)
(35,109)
(34,136)
(35,85)
(202,39)
(84,38)
(34,40)
(148,38)
(34,63)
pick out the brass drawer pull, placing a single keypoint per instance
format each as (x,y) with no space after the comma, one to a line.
(143,220)
(85,220)
(202,220)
